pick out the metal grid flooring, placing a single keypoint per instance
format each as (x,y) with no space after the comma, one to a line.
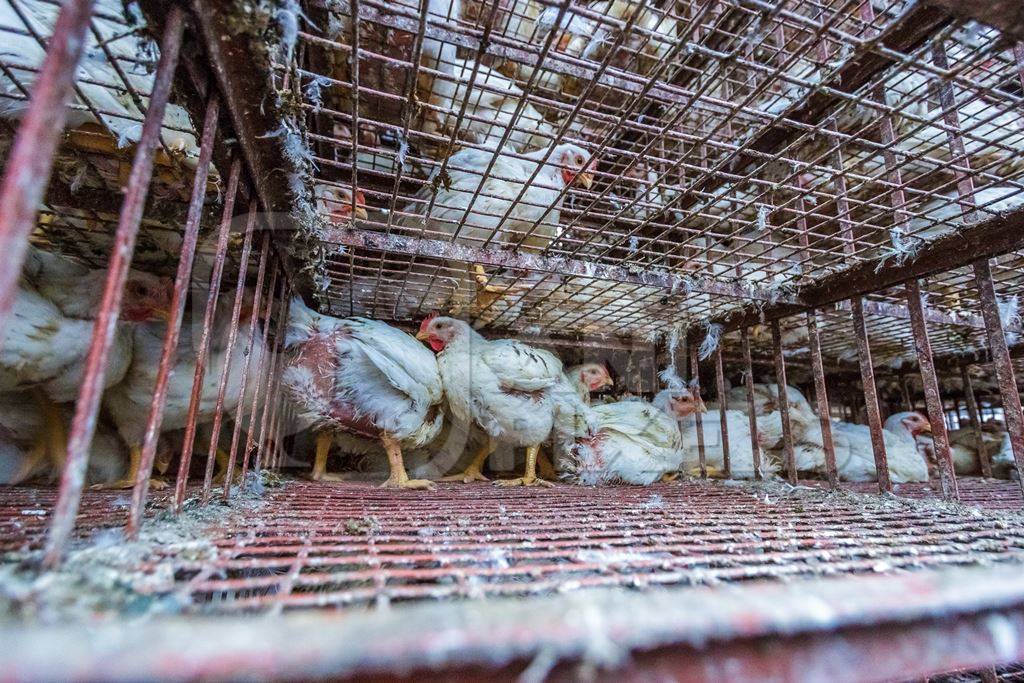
(315,545)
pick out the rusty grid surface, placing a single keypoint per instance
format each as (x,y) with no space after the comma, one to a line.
(321,545)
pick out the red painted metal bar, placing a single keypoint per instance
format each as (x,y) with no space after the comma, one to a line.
(723,405)
(1002,363)
(243,381)
(250,438)
(83,425)
(272,396)
(932,396)
(699,419)
(867,376)
(783,401)
(972,411)
(31,156)
(181,282)
(821,398)
(748,380)
(236,312)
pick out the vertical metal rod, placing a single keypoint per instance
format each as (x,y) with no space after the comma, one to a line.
(173,328)
(783,400)
(250,437)
(31,156)
(821,397)
(748,380)
(257,298)
(723,406)
(273,374)
(698,418)
(1001,361)
(236,311)
(932,396)
(203,352)
(867,376)
(83,425)
(972,413)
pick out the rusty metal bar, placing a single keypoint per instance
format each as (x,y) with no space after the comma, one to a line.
(748,381)
(30,160)
(783,400)
(523,260)
(257,298)
(932,396)
(83,424)
(698,418)
(182,278)
(250,432)
(1001,362)
(972,411)
(1005,15)
(271,394)
(821,398)
(723,406)
(236,311)
(867,376)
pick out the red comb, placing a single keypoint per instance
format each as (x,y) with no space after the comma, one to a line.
(360,198)
(426,321)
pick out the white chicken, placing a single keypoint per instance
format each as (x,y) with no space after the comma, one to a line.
(505,387)
(363,378)
(628,442)
(490,210)
(97,80)
(684,404)
(128,402)
(492,102)
(49,332)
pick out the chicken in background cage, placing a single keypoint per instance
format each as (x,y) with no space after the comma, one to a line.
(511,338)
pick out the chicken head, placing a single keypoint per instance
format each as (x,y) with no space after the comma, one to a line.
(337,204)
(439,331)
(577,166)
(146,297)
(685,402)
(595,376)
(916,424)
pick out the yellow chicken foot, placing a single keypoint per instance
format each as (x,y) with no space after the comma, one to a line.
(54,434)
(713,472)
(222,468)
(323,449)
(399,479)
(672,476)
(128,480)
(475,470)
(545,467)
(488,293)
(529,477)
(30,466)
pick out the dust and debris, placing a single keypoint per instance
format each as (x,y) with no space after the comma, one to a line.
(364,526)
(106,575)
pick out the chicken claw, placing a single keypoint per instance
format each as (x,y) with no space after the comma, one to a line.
(713,472)
(407,483)
(670,476)
(525,481)
(154,485)
(474,472)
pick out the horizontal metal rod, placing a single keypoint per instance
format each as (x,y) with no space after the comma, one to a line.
(503,258)
(1005,15)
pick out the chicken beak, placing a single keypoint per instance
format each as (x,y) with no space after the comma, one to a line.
(586,179)
(360,213)
(162,314)
(700,404)
(926,428)
(422,335)
(608,382)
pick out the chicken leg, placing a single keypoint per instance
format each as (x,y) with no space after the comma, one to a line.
(399,478)
(128,481)
(487,293)
(545,467)
(529,477)
(49,444)
(222,468)
(323,449)
(474,472)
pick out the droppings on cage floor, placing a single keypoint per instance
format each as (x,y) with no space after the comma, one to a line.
(316,545)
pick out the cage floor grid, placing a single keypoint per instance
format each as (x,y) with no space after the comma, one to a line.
(314,545)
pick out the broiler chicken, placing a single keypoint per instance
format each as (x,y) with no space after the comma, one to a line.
(128,401)
(627,442)
(505,387)
(684,404)
(49,332)
(490,210)
(363,378)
